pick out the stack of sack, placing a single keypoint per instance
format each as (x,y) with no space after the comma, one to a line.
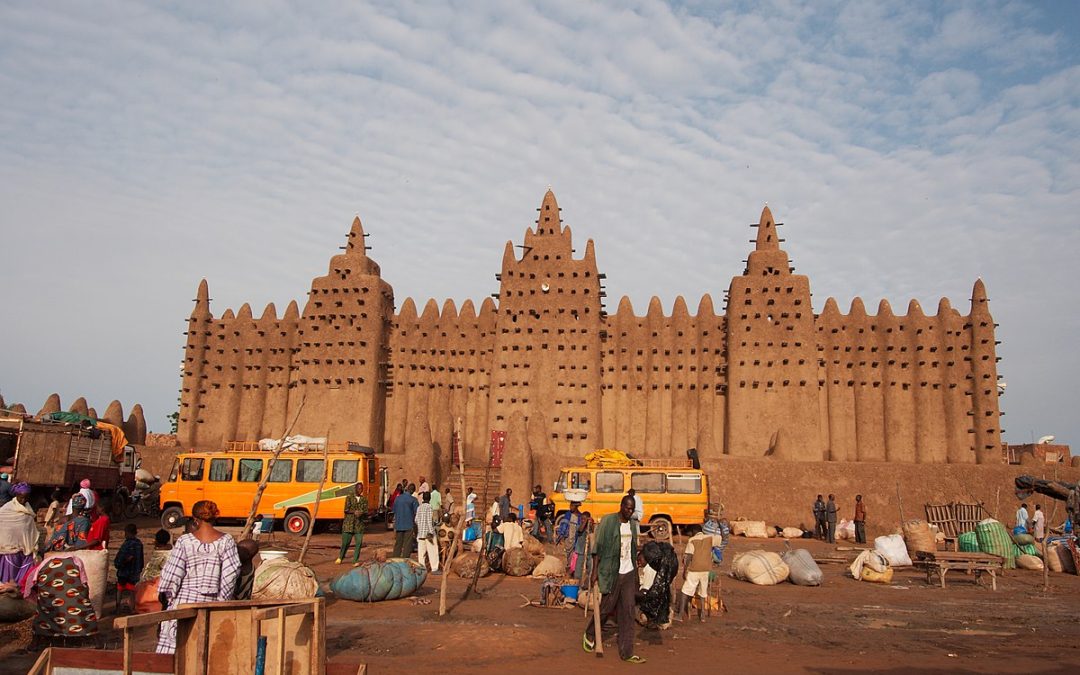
(918,537)
(1059,557)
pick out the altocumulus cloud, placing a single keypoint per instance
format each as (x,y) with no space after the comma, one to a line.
(909,149)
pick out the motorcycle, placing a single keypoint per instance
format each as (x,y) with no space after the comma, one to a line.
(144,501)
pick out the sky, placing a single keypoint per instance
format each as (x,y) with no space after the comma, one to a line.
(909,148)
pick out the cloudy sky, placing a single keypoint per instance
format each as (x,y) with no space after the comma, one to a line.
(909,148)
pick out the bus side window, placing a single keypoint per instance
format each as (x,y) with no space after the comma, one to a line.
(282,471)
(372,472)
(309,470)
(221,469)
(647,482)
(345,471)
(684,483)
(608,482)
(250,471)
(580,481)
(193,469)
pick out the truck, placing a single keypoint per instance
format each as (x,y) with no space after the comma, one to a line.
(50,455)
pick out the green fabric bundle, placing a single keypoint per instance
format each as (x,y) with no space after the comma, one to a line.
(969,543)
(995,539)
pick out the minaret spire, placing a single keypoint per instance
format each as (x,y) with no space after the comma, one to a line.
(766,233)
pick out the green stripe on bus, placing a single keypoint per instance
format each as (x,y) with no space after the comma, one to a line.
(335,492)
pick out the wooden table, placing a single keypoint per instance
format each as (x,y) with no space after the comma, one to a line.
(942,562)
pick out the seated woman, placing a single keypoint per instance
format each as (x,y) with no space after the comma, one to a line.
(658,566)
(59,588)
(71,533)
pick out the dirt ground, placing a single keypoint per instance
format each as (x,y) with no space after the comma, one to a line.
(843,626)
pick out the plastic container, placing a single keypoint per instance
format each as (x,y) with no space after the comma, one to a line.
(570,591)
(269,555)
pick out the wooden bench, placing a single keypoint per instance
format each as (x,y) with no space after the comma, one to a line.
(942,562)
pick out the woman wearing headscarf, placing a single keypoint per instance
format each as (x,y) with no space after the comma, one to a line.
(18,535)
(71,534)
(89,495)
(201,568)
(659,565)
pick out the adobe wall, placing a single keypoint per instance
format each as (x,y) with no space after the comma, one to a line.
(781,493)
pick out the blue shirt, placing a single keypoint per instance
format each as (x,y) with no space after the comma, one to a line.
(405,512)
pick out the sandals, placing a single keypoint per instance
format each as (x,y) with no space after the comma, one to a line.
(588,645)
(634,659)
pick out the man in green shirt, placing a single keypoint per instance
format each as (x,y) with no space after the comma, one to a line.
(436,504)
(614,568)
(356,515)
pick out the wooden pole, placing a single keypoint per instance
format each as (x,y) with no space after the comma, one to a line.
(318,497)
(594,598)
(266,477)
(483,549)
(461,523)
(900,502)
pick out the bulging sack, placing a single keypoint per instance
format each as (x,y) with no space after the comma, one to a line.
(752,529)
(763,568)
(995,539)
(1029,562)
(874,576)
(465,565)
(792,533)
(283,579)
(518,563)
(376,581)
(894,549)
(802,569)
(918,537)
(550,566)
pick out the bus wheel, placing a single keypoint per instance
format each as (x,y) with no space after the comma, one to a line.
(297,522)
(171,517)
(660,529)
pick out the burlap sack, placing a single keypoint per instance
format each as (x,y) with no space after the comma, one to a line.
(465,565)
(518,563)
(918,537)
(282,579)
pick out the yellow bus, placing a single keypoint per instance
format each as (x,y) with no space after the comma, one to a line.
(670,495)
(231,477)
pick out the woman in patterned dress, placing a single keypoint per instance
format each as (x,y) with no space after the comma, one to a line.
(63,599)
(71,533)
(201,568)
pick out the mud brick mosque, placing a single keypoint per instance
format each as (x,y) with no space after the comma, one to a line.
(543,363)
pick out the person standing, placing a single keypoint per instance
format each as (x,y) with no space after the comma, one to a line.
(639,506)
(543,515)
(436,504)
(18,536)
(352,527)
(202,567)
(470,505)
(819,518)
(1022,517)
(697,565)
(448,503)
(87,493)
(424,487)
(614,572)
(129,567)
(425,534)
(1038,523)
(505,504)
(860,520)
(830,519)
(404,522)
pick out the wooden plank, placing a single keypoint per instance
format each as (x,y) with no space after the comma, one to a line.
(290,610)
(137,620)
(191,644)
(231,641)
(142,662)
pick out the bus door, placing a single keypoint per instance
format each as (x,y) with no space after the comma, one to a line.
(192,473)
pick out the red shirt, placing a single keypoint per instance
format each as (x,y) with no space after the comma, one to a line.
(860,512)
(99,533)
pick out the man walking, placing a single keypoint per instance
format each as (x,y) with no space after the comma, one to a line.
(819,518)
(614,572)
(830,519)
(405,507)
(860,520)
(425,534)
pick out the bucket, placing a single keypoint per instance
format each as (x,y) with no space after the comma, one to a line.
(269,555)
(570,591)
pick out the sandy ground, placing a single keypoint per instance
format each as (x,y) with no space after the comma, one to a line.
(843,626)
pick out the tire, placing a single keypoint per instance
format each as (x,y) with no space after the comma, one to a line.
(660,528)
(171,517)
(131,510)
(297,522)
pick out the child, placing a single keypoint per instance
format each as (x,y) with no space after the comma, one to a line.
(129,566)
(146,595)
(54,509)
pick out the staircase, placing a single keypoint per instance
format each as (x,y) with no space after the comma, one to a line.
(485,492)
